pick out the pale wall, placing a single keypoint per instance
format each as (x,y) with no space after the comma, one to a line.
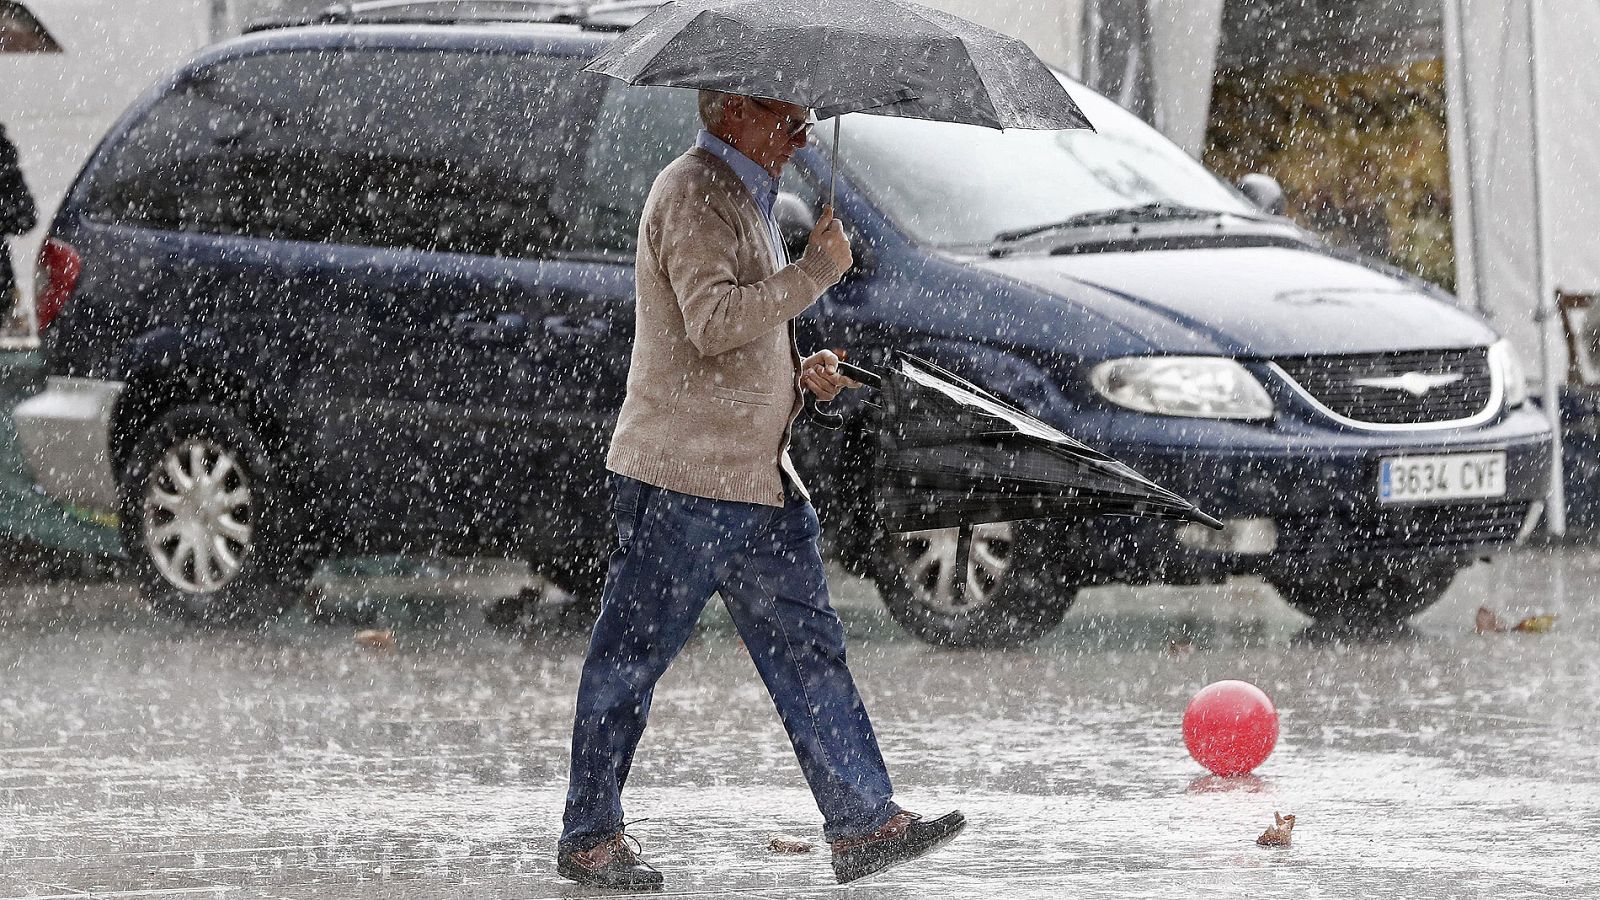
(1052,28)
(57,105)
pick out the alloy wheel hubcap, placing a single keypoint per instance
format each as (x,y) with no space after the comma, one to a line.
(198,516)
(927,559)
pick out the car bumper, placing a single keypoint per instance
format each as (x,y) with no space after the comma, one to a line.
(64,433)
(1296,496)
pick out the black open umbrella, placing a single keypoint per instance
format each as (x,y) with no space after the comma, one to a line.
(950,454)
(883,57)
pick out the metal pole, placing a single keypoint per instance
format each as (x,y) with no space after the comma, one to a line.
(1548,316)
(833,174)
(1464,163)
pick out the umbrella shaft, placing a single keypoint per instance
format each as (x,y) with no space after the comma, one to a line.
(963,556)
(833,175)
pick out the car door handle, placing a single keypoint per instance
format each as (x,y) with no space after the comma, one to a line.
(490,328)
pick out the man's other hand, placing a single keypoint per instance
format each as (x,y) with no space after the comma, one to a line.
(819,374)
(828,237)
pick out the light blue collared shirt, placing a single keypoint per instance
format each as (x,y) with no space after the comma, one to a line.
(759,182)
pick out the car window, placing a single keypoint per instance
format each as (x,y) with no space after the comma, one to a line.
(203,158)
(412,149)
(959,184)
(638,131)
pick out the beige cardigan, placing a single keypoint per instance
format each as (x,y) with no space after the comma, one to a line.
(713,386)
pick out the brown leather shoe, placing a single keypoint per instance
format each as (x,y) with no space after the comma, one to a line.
(609,864)
(901,839)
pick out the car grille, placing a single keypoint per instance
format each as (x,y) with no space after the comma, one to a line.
(1333,381)
(1448,527)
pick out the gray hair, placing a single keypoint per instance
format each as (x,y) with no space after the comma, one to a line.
(711,107)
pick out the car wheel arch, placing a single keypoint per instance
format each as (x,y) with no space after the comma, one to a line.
(152,391)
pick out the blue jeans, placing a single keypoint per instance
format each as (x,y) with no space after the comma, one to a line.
(673,552)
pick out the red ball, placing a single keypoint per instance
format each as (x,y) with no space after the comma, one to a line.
(1230,727)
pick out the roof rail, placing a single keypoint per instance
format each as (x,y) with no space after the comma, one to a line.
(425,12)
(605,15)
(617,15)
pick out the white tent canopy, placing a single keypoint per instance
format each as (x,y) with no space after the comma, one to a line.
(1525,168)
(1502,142)
(1185,37)
(1182,48)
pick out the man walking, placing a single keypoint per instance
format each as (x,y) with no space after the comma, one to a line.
(707,500)
(18,215)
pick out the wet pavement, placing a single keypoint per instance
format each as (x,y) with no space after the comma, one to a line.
(140,758)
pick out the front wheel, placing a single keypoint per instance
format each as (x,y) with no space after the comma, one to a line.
(210,521)
(1015,590)
(1367,595)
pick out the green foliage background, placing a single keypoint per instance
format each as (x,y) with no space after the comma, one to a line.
(1362,155)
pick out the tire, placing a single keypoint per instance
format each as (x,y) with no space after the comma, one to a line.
(211,523)
(1017,591)
(1367,594)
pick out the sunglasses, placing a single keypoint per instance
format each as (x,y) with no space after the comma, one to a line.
(793,127)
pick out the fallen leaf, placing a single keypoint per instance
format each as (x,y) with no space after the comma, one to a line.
(783,843)
(1487,622)
(1279,833)
(1540,624)
(376,639)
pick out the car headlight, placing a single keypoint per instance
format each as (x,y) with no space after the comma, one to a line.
(1201,387)
(1508,364)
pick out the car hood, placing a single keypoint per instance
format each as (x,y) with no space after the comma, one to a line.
(1254,301)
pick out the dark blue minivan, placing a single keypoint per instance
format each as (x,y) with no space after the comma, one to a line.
(358,288)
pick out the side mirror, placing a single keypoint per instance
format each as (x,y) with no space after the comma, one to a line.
(795,221)
(1265,192)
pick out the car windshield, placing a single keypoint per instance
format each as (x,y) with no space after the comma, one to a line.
(964,185)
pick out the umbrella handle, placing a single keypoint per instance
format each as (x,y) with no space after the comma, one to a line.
(814,414)
(832,420)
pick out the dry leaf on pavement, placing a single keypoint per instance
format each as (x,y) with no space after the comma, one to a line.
(1540,624)
(1487,622)
(376,639)
(1278,834)
(783,843)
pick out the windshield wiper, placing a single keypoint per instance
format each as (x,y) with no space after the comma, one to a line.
(1145,212)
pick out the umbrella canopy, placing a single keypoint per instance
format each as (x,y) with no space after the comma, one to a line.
(951,454)
(887,57)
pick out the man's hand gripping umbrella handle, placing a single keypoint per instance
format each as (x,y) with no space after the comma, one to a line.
(831,420)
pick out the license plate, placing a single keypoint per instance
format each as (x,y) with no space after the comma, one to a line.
(1453,476)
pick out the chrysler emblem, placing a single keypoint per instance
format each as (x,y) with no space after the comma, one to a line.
(1414,383)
